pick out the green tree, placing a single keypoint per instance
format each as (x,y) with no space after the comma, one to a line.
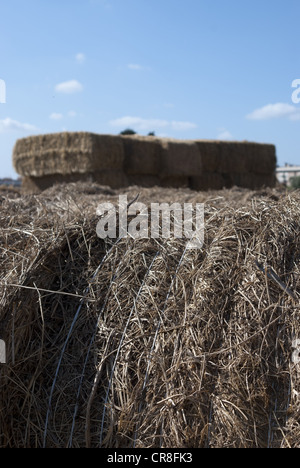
(128,131)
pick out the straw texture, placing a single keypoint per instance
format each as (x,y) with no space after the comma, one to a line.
(123,343)
(67,153)
(146,161)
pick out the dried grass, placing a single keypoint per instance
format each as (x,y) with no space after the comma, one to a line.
(142,155)
(67,153)
(119,161)
(114,179)
(237,156)
(144,343)
(180,159)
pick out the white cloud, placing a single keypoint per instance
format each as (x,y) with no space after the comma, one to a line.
(134,66)
(295,116)
(169,105)
(275,111)
(9,124)
(55,116)
(182,125)
(69,87)
(80,57)
(137,67)
(224,135)
(72,113)
(139,123)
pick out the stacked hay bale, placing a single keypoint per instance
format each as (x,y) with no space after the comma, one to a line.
(69,157)
(242,164)
(119,161)
(160,161)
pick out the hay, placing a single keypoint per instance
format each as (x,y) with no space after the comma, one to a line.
(144,343)
(68,157)
(143,180)
(217,181)
(174,182)
(208,181)
(180,158)
(263,159)
(253,180)
(142,155)
(34,185)
(67,153)
(114,179)
(239,157)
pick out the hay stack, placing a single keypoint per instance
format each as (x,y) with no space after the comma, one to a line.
(165,162)
(145,344)
(180,159)
(67,153)
(237,157)
(113,179)
(119,161)
(244,164)
(142,155)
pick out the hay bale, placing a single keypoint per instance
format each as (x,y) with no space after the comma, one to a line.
(146,344)
(142,155)
(67,153)
(174,181)
(143,180)
(217,181)
(262,159)
(252,180)
(32,185)
(208,181)
(239,157)
(113,179)
(151,161)
(210,154)
(180,159)
(233,157)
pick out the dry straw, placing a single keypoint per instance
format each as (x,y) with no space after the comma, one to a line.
(124,343)
(67,153)
(119,161)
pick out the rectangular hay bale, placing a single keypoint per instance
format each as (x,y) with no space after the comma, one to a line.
(208,181)
(180,159)
(253,181)
(175,182)
(237,156)
(142,155)
(143,180)
(113,179)
(67,153)
(210,154)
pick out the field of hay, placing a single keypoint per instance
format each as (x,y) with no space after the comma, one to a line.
(142,343)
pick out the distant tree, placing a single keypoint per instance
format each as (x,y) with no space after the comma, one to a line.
(128,131)
(295,182)
(151,134)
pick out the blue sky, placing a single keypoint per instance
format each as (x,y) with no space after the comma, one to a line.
(191,69)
